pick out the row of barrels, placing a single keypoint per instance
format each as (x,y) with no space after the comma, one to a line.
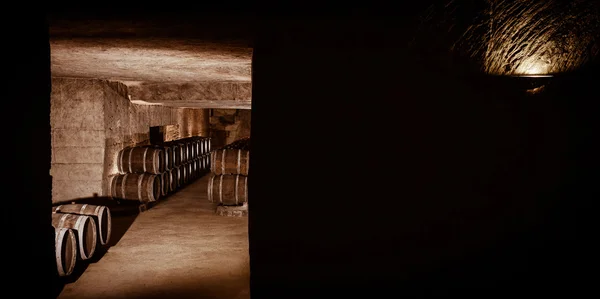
(149,187)
(80,229)
(228,183)
(158,158)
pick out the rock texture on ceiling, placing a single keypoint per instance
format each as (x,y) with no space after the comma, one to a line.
(189,61)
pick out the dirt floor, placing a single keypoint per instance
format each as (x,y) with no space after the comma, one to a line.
(177,248)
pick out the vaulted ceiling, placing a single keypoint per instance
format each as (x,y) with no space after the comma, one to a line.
(178,60)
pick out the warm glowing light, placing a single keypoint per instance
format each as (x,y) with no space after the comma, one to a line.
(532,68)
(532,38)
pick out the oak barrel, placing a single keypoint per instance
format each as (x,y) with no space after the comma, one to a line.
(191,170)
(165,182)
(144,187)
(207,160)
(101,215)
(180,176)
(184,146)
(140,159)
(230,161)
(183,172)
(228,189)
(203,147)
(175,154)
(85,229)
(168,157)
(192,152)
(201,163)
(173,179)
(194,147)
(65,247)
(179,150)
(197,167)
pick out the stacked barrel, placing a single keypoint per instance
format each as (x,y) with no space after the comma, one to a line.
(190,158)
(80,229)
(150,172)
(228,183)
(140,169)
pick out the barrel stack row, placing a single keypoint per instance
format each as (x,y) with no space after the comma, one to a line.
(80,229)
(150,172)
(228,183)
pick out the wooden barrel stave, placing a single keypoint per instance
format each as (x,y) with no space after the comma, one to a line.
(228,189)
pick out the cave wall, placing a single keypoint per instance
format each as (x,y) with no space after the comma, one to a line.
(91,121)
(228,125)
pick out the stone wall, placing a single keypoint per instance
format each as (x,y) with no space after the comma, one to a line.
(91,121)
(228,125)
(77,138)
(193,122)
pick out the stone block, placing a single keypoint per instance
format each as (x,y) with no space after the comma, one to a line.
(77,137)
(66,190)
(77,172)
(63,155)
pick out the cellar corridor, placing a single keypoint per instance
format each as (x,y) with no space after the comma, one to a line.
(178,248)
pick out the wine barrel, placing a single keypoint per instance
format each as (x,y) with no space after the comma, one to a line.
(165,181)
(168,156)
(192,152)
(186,146)
(201,163)
(202,146)
(173,179)
(185,176)
(175,154)
(228,189)
(179,176)
(180,150)
(101,215)
(207,159)
(193,144)
(140,159)
(144,187)
(200,143)
(230,161)
(191,170)
(197,167)
(85,229)
(65,248)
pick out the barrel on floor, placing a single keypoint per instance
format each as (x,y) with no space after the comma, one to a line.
(230,161)
(228,189)
(65,250)
(85,229)
(144,187)
(100,213)
(140,159)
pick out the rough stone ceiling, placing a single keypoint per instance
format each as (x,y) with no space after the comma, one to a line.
(179,61)
(150,60)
